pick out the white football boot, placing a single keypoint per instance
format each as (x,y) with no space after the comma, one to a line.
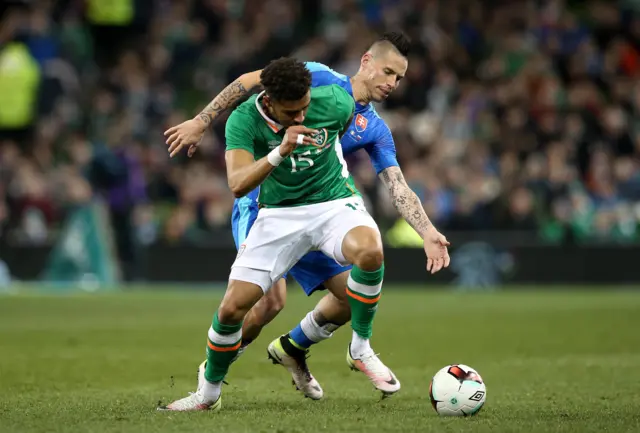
(296,364)
(194,402)
(379,374)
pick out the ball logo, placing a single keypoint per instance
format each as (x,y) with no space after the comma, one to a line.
(477,396)
(361,123)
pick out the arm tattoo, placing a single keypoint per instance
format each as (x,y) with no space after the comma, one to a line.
(405,200)
(224,100)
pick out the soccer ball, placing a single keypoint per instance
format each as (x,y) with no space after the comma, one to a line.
(457,390)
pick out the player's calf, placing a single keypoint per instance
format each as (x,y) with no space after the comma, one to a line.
(263,312)
(223,342)
(320,324)
(225,334)
(363,247)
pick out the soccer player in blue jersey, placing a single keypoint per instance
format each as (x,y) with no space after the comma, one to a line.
(382,67)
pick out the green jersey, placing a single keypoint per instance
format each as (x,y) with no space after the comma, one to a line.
(312,173)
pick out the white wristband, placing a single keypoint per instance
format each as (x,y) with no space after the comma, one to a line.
(274,157)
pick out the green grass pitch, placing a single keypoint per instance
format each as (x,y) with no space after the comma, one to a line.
(553,360)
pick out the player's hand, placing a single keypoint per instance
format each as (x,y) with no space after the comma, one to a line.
(435,247)
(291,140)
(187,134)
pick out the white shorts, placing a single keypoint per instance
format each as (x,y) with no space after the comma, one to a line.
(281,236)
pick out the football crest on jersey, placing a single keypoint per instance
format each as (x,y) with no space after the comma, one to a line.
(361,123)
(320,138)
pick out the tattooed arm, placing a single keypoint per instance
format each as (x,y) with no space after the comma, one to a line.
(234,91)
(408,205)
(405,200)
(190,133)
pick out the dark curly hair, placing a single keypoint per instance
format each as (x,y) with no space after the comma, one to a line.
(399,40)
(286,79)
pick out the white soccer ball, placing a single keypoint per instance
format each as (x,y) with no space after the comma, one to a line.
(457,390)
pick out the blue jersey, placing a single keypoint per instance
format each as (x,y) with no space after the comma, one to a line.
(367,131)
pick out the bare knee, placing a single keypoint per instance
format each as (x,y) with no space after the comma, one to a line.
(363,247)
(270,308)
(274,306)
(266,312)
(370,259)
(277,296)
(271,304)
(230,312)
(237,301)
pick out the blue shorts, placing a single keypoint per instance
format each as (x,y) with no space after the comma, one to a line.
(312,269)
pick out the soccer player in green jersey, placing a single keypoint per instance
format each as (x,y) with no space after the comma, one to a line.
(382,67)
(286,140)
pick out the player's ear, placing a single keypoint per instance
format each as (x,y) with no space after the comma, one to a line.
(366,59)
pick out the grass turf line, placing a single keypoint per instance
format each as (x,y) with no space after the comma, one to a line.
(553,361)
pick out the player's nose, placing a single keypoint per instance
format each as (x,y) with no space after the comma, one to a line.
(299,118)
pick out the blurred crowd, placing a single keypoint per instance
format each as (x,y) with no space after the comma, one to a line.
(514,115)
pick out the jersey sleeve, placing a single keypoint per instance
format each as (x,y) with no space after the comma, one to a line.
(382,151)
(345,106)
(239,131)
(322,75)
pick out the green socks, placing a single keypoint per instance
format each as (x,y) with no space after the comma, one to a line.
(223,343)
(363,293)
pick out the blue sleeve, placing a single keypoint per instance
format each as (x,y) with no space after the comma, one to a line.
(383,150)
(322,75)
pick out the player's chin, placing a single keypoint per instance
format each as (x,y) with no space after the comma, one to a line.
(380,96)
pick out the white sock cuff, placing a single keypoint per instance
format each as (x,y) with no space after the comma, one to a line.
(312,330)
(363,288)
(216,338)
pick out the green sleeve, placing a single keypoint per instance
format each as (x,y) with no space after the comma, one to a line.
(345,104)
(240,131)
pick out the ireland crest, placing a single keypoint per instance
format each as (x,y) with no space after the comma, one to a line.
(320,138)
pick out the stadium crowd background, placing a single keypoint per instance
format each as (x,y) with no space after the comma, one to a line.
(514,115)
